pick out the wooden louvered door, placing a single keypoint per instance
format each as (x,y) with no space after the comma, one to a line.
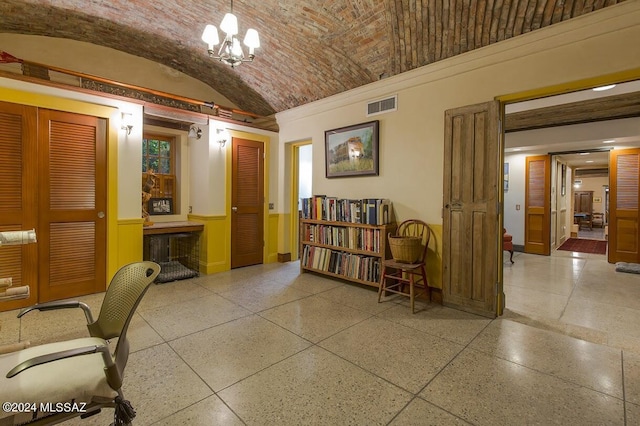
(470,222)
(72,204)
(18,197)
(247,201)
(537,205)
(624,203)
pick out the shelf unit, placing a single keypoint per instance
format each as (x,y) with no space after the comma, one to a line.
(346,250)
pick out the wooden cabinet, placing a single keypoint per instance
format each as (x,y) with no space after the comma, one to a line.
(583,208)
(351,251)
(583,202)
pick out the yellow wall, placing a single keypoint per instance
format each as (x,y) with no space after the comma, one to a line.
(434,257)
(215,254)
(130,241)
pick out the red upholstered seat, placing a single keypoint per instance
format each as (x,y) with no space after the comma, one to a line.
(507,243)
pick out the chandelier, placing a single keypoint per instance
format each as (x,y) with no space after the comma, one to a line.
(230,51)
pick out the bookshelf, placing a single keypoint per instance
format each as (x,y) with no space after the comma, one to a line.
(346,250)
(345,238)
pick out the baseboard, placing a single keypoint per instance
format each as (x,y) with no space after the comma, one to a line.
(284,257)
(436,294)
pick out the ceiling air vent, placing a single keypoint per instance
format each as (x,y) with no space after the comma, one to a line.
(382,105)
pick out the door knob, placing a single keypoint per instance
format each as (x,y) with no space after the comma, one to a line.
(234,209)
(100,215)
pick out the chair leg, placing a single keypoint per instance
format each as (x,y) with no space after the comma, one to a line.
(381,287)
(412,293)
(425,283)
(511,255)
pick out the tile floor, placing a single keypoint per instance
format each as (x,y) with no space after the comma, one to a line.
(265,345)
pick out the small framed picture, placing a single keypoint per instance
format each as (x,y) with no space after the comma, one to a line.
(597,199)
(159,206)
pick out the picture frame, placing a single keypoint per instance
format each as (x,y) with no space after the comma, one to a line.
(160,206)
(352,150)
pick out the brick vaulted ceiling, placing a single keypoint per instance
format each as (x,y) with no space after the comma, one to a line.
(310,49)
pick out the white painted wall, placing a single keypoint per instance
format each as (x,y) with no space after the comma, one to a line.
(305,171)
(514,197)
(411,139)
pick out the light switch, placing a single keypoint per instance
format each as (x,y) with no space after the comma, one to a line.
(517,206)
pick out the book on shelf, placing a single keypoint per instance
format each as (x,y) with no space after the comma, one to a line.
(371,211)
(355,266)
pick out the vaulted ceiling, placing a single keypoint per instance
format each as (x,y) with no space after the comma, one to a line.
(309,49)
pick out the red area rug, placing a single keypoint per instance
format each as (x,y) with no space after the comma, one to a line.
(582,245)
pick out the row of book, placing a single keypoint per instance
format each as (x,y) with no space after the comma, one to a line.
(372,211)
(363,268)
(342,236)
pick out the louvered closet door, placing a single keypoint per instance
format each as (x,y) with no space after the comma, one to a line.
(624,202)
(18,181)
(72,205)
(247,201)
(537,205)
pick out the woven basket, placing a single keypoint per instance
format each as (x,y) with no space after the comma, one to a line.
(405,249)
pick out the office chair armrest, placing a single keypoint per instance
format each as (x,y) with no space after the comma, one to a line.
(56,356)
(50,306)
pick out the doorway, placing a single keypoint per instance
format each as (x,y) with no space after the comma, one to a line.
(583,168)
(537,127)
(301,178)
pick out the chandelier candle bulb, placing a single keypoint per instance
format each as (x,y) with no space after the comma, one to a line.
(229,24)
(230,52)
(210,36)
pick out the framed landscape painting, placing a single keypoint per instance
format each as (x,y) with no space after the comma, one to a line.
(352,150)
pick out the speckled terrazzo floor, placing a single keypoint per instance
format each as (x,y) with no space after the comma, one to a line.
(265,345)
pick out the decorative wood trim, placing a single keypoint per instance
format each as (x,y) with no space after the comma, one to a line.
(611,107)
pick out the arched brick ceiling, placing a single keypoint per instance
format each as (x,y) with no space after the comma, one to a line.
(310,49)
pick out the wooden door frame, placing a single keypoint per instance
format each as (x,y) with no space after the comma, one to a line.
(293,151)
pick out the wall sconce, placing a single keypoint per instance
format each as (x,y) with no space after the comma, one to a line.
(194,132)
(127,122)
(222,137)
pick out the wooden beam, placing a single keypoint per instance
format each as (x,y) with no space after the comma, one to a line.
(609,108)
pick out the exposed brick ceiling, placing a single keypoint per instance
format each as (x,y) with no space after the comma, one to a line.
(310,49)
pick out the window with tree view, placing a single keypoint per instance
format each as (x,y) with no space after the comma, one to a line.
(158,166)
